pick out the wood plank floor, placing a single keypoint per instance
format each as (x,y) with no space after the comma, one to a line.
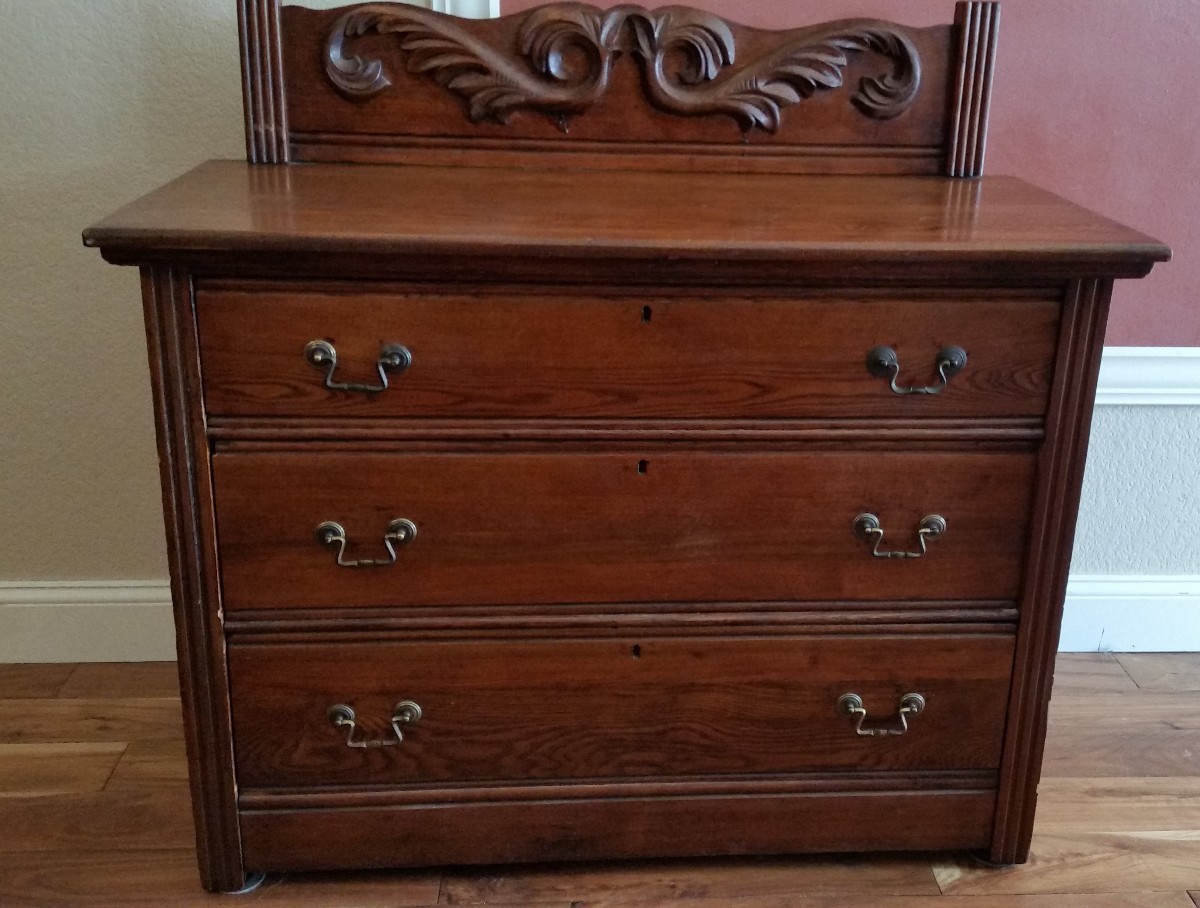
(94,811)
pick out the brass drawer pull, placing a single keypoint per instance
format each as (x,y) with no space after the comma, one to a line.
(392,358)
(867,526)
(883,362)
(406,713)
(399,532)
(852,705)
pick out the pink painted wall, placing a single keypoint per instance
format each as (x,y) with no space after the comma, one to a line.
(1095,100)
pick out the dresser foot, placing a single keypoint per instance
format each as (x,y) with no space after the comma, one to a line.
(984,858)
(253,881)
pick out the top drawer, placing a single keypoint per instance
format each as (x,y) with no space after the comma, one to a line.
(570,355)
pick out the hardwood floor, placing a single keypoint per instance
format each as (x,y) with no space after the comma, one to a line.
(94,811)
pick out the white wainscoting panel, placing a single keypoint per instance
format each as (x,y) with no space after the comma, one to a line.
(98,621)
(1149,376)
(1130,614)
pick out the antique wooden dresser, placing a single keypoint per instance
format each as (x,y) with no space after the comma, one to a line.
(609,433)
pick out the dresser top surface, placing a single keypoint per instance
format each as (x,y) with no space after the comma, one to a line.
(230,206)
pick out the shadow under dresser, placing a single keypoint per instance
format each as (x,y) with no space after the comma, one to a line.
(580,440)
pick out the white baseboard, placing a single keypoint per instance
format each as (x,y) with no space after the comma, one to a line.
(1149,376)
(1126,613)
(96,621)
(131,621)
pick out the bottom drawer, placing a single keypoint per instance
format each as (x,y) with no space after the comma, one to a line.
(663,824)
(483,711)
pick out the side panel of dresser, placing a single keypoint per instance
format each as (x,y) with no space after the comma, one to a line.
(1056,504)
(188,515)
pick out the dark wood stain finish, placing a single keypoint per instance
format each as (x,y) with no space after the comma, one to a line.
(977,24)
(259,25)
(559,355)
(187,503)
(634,435)
(651,230)
(571,83)
(560,829)
(570,528)
(1056,504)
(587,709)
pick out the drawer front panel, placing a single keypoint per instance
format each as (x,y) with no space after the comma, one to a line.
(562,356)
(612,527)
(490,832)
(592,709)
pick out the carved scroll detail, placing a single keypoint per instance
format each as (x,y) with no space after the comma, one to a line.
(688,59)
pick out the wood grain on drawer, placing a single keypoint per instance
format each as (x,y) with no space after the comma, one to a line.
(491,831)
(617,527)
(590,709)
(572,356)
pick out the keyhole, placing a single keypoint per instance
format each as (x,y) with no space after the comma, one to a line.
(647,314)
(636,651)
(643,466)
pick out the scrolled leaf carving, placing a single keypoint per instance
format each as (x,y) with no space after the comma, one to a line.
(436,46)
(567,51)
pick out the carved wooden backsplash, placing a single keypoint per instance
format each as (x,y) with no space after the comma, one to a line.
(566,55)
(617,87)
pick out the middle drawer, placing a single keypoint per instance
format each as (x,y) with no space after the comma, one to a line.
(703,526)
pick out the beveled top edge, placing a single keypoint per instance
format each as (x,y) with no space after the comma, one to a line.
(420,210)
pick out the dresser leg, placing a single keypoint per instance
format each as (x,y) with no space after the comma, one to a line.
(252,882)
(985,858)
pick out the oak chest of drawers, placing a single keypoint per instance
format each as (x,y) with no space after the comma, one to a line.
(578,444)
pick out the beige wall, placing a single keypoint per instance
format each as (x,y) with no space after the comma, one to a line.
(100,101)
